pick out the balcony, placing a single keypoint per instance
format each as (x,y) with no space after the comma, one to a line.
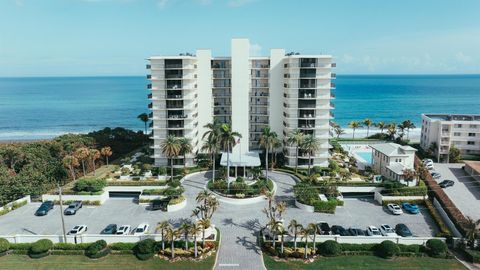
(333,75)
(148,66)
(173,66)
(149,96)
(149,76)
(173,76)
(332,85)
(150,105)
(176,116)
(332,95)
(149,86)
(333,65)
(173,96)
(150,115)
(307,85)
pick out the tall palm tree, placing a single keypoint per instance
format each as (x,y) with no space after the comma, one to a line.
(228,139)
(312,228)
(94,154)
(195,229)
(171,149)
(472,231)
(295,138)
(185,148)
(144,118)
(294,228)
(381,125)
(401,131)
(354,125)
(212,206)
(163,227)
(408,125)
(305,233)
(277,143)
(106,152)
(310,145)
(274,226)
(205,224)
(71,162)
(267,140)
(338,130)
(282,233)
(368,123)
(172,236)
(212,143)
(391,131)
(185,229)
(82,155)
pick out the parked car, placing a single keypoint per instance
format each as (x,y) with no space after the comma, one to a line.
(394,209)
(446,183)
(386,230)
(429,166)
(110,229)
(356,232)
(436,175)
(141,229)
(373,231)
(323,228)
(123,230)
(411,208)
(402,230)
(78,229)
(73,208)
(427,161)
(339,230)
(44,208)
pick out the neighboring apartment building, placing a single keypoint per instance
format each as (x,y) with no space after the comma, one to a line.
(391,160)
(444,130)
(283,91)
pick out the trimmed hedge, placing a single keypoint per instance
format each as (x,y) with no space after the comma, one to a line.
(387,249)
(70,246)
(436,248)
(444,230)
(472,256)
(330,248)
(89,186)
(97,249)
(4,245)
(123,246)
(40,248)
(144,249)
(325,207)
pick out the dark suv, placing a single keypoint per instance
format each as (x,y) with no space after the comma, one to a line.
(44,208)
(73,208)
(323,228)
(402,230)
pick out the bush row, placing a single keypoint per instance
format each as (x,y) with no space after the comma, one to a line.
(325,206)
(136,183)
(444,230)
(85,202)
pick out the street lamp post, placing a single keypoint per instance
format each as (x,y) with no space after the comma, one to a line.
(61,213)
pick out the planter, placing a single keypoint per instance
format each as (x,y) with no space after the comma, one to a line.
(305,207)
(241,201)
(176,207)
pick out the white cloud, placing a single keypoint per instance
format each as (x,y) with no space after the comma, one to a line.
(239,3)
(255,49)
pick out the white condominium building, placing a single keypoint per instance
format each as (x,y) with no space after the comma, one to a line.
(284,91)
(441,131)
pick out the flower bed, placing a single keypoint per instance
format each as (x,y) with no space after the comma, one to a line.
(240,189)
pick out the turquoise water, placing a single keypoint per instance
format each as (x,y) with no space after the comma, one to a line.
(32,108)
(367,156)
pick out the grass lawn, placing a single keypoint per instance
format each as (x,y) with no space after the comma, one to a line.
(113,262)
(366,262)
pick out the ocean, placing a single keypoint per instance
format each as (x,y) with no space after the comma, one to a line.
(40,108)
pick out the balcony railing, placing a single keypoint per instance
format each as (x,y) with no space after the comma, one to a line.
(171,66)
(176,116)
(333,75)
(308,85)
(173,76)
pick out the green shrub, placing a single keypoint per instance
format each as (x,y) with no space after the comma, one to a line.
(122,246)
(153,191)
(472,256)
(144,249)
(358,247)
(330,248)
(305,193)
(67,252)
(176,200)
(436,248)
(325,207)
(4,245)
(409,248)
(90,185)
(20,246)
(173,191)
(96,248)
(40,248)
(70,246)
(387,249)
(174,183)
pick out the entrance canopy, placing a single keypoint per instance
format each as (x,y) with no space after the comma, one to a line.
(237,159)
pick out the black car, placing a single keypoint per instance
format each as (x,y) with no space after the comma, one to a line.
(356,232)
(446,183)
(402,230)
(44,208)
(73,208)
(323,228)
(339,230)
(110,229)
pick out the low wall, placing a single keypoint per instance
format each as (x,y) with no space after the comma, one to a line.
(131,188)
(304,207)
(361,189)
(21,200)
(446,218)
(102,197)
(381,198)
(176,207)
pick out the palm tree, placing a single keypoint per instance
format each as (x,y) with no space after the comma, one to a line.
(82,155)
(212,206)
(310,145)
(277,143)
(194,230)
(407,124)
(171,236)
(228,139)
(171,148)
(409,175)
(274,226)
(266,140)
(185,148)
(338,130)
(305,233)
(203,196)
(71,162)
(144,118)
(312,228)
(106,152)
(294,228)
(163,227)
(354,125)
(368,123)
(205,224)
(185,229)
(295,138)
(391,131)
(282,233)
(401,131)
(212,143)
(94,154)
(381,125)
(472,231)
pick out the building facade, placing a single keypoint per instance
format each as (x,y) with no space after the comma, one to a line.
(442,131)
(283,91)
(391,160)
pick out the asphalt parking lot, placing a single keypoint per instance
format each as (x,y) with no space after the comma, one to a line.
(465,193)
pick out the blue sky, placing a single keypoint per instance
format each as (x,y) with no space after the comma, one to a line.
(113,37)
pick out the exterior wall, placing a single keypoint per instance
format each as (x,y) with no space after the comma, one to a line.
(21,200)
(276,91)
(204,91)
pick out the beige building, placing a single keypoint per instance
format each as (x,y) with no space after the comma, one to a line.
(391,160)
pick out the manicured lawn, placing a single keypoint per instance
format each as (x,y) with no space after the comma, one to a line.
(366,262)
(113,262)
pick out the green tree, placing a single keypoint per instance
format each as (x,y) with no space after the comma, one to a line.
(228,139)
(381,125)
(407,124)
(10,155)
(144,118)
(472,231)
(205,224)
(267,140)
(195,229)
(171,149)
(354,125)
(185,228)
(391,131)
(454,155)
(106,152)
(295,138)
(274,227)
(310,145)
(338,130)
(171,235)
(94,154)
(409,175)
(163,227)
(294,227)
(82,155)
(71,162)
(312,228)
(368,123)
(185,148)
(212,143)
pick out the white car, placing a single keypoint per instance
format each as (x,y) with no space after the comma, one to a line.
(394,209)
(429,167)
(427,161)
(373,231)
(123,230)
(141,229)
(78,229)
(386,230)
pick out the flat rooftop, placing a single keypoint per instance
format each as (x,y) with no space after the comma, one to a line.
(475,165)
(454,117)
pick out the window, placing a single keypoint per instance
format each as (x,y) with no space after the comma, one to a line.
(471,143)
(457,134)
(459,125)
(471,134)
(473,126)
